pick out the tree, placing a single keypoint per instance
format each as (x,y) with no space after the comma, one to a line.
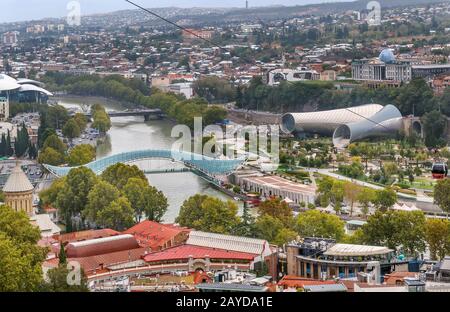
(81,121)
(20,256)
(81,155)
(118,215)
(365,197)
(54,142)
(268,227)
(396,230)
(318,224)
(211,214)
(155,204)
(72,194)
(71,129)
(385,199)
(434,124)
(351,193)
(99,198)
(62,255)
(415,98)
(441,194)
(50,156)
(119,174)
(57,281)
(276,208)
(437,236)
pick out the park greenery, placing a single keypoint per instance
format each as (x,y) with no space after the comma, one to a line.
(22,145)
(120,197)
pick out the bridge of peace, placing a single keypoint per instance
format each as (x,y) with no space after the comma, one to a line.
(200,164)
(147,113)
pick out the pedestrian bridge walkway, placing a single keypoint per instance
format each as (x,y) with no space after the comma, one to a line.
(207,165)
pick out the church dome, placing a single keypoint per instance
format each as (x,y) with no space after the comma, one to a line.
(387,56)
(17,182)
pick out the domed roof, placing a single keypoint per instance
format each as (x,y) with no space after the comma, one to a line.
(17,182)
(387,56)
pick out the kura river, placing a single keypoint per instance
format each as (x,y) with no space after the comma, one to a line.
(132,133)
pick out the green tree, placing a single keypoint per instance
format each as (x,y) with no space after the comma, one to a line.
(385,199)
(365,197)
(54,142)
(415,98)
(20,256)
(396,230)
(437,236)
(99,198)
(434,124)
(57,281)
(81,155)
(118,215)
(119,174)
(276,208)
(318,224)
(50,156)
(441,194)
(213,215)
(81,121)
(268,227)
(71,129)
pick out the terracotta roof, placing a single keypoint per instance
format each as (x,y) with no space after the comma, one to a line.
(299,282)
(153,234)
(101,246)
(85,235)
(17,182)
(196,252)
(101,262)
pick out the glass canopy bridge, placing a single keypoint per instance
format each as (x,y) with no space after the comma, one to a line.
(202,164)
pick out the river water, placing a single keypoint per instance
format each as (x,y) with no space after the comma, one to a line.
(133,133)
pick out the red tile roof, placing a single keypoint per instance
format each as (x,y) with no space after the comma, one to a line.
(155,235)
(196,252)
(101,262)
(85,235)
(300,282)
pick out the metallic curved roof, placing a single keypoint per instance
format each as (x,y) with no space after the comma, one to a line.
(325,122)
(8,83)
(30,87)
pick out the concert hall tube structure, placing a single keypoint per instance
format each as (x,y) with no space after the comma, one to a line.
(325,122)
(387,122)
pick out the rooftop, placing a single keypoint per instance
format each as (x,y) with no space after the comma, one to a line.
(196,252)
(283,184)
(100,246)
(228,242)
(17,182)
(355,250)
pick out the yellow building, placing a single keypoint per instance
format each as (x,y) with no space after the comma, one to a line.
(18,191)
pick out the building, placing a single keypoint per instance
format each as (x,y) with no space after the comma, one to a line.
(274,186)
(10,38)
(321,258)
(4,108)
(376,70)
(18,191)
(196,34)
(429,70)
(157,236)
(275,76)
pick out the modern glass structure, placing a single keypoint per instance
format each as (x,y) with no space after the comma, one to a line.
(202,163)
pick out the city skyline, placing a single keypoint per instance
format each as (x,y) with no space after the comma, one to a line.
(40,9)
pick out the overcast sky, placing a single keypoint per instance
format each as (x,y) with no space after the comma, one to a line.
(23,10)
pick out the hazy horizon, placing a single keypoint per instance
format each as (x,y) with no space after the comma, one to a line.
(26,10)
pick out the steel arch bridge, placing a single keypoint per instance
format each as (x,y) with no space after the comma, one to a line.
(204,164)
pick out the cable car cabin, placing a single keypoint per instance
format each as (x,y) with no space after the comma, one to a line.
(439,171)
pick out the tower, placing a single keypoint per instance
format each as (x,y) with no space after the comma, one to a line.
(18,191)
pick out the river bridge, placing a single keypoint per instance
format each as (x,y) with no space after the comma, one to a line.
(147,113)
(200,164)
